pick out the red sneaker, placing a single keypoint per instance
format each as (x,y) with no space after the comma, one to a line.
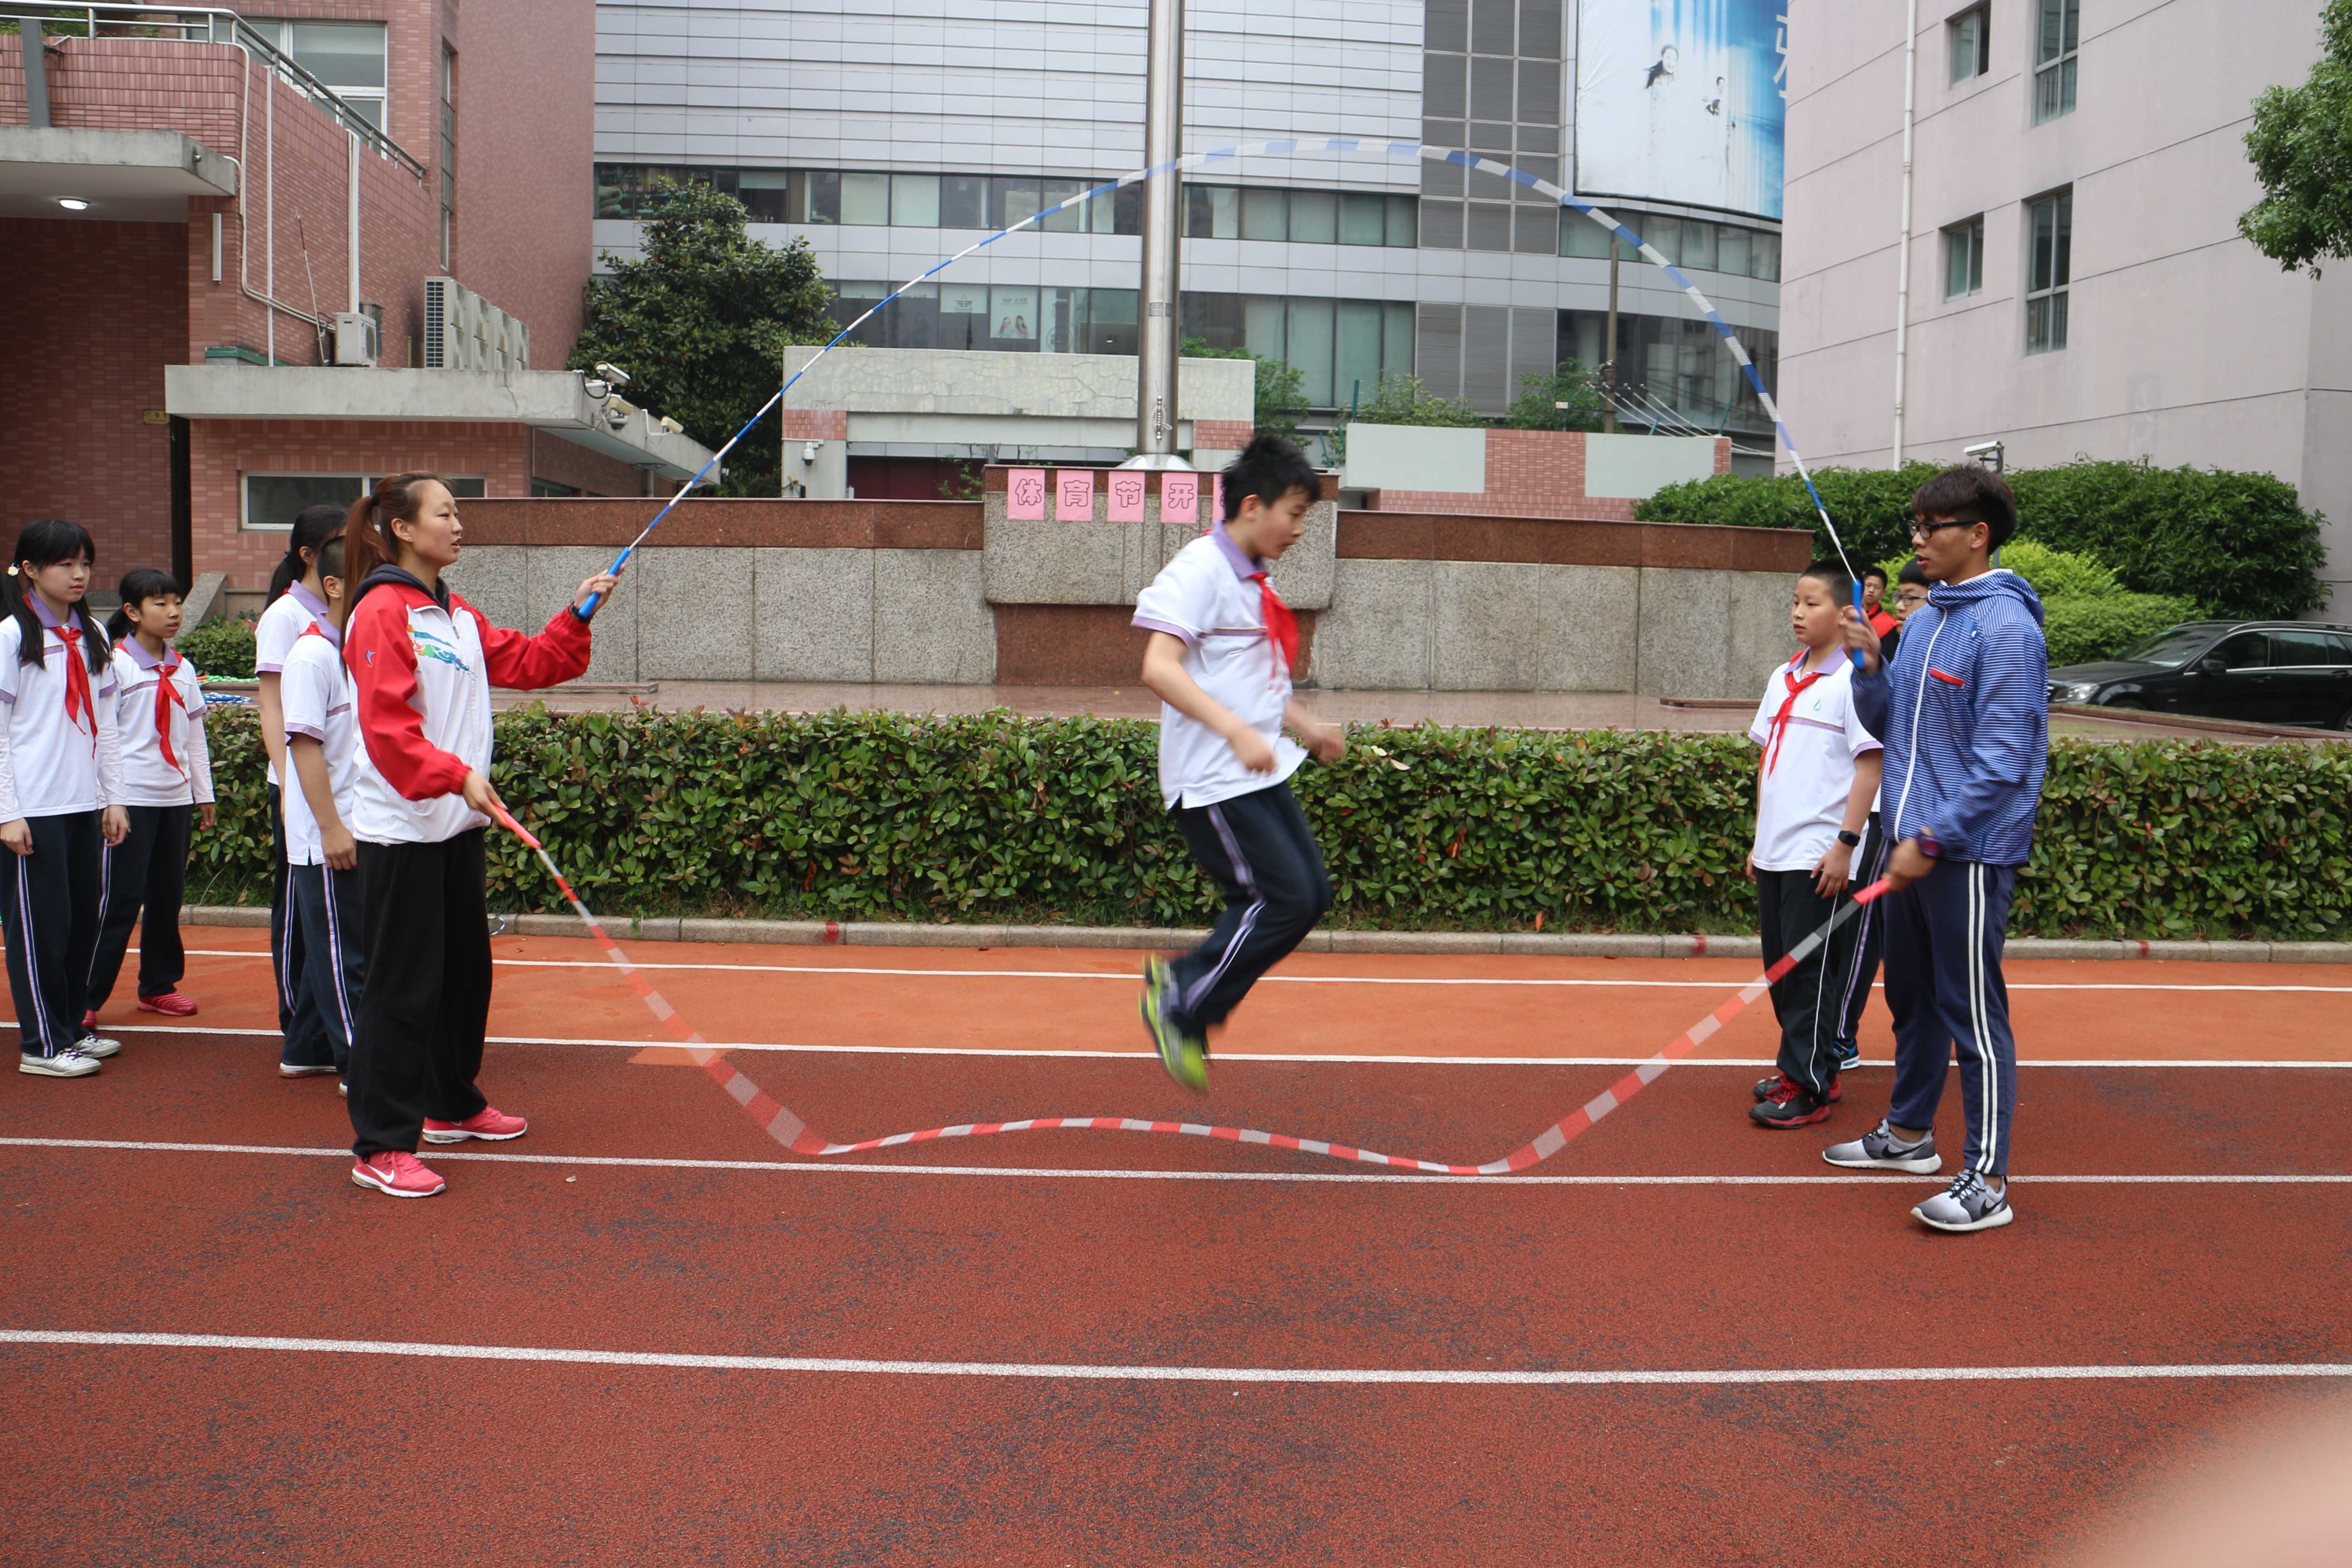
(396,1174)
(171,1003)
(90,1022)
(490,1124)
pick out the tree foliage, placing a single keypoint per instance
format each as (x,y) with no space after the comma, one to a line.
(1537,406)
(2301,148)
(1281,397)
(702,320)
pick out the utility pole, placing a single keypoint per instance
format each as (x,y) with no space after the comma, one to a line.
(1157,322)
(1609,365)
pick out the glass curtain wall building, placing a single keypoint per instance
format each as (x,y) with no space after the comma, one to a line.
(894,135)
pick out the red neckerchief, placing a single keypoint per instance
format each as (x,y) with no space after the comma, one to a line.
(78,700)
(167,697)
(1281,625)
(1779,730)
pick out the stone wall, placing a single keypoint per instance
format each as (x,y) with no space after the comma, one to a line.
(956,593)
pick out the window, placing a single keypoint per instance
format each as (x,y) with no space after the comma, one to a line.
(1969,38)
(449,154)
(1315,217)
(1964,258)
(865,199)
(963,201)
(1262,214)
(914,201)
(1361,219)
(273,500)
(346,55)
(2307,650)
(2053,58)
(1213,212)
(545,488)
(2048,270)
(2247,650)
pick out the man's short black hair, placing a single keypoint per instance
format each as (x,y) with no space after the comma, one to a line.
(1913,574)
(1829,575)
(1878,572)
(1269,468)
(1970,494)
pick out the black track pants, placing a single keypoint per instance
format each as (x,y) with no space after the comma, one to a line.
(146,874)
(427,1001)
(1259,847)
(48,908)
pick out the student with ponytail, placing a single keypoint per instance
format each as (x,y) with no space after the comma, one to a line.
(167,783)
(423,662)
(60,786)
(296,604)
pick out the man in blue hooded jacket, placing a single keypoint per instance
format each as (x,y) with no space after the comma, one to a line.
(1965,713)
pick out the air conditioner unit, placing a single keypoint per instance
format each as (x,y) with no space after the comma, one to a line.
(464,332)
(355,337)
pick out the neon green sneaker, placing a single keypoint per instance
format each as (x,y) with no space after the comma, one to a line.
(1186,1057)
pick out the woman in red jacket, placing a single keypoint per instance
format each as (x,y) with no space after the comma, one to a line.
(423,662)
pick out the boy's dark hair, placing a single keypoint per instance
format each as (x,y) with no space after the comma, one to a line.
(1878,572)
(1269,468)
(1829,575)
(137,588)
(45,541)
(1913,574)
(1970,494)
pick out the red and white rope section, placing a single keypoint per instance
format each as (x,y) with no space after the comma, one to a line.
(796,1135)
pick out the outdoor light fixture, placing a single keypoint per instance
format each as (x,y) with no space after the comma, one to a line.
(73,204)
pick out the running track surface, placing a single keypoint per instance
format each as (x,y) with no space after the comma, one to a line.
(1014,1350)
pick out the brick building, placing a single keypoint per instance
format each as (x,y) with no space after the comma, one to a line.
(190,199)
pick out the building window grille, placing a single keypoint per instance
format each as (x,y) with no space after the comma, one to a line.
(2053,58)
(2050,269)
(1964,258)
(1969,38)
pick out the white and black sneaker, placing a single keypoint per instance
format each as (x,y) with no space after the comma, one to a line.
(1880,1150)
(71,1062)
(1967,1204)
(97,1045)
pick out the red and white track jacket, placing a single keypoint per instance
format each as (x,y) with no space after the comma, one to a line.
(423,666)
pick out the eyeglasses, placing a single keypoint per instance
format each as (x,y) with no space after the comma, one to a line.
(1923,531)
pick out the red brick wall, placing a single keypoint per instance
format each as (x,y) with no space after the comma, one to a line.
(815,424)
(1221,434)
(525,160)
(591,473)
(223,450)
(1530,473)
(91,313)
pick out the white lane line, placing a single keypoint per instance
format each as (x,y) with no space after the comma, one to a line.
(1128,976)
(1084,1372)
(1340,1061)
(797,1167)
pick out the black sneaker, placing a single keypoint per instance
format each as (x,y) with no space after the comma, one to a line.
(1880,1150)
(1849,1055)
(1767,1087)
(1967,1204)
(1789,1104)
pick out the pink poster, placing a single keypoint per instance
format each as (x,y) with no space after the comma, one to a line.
(1125,495)
(1074,494)
(1179,499)
(1024,495)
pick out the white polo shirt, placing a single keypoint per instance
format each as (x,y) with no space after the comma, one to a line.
(317,694)
(289,615)
(148,777)
(55,765)
(1206,598)
(1807,770)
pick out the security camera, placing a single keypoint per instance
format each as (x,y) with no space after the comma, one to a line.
(598,388)
(1989,453)
(808,453)
(617,415)
(672,425)
(613,373)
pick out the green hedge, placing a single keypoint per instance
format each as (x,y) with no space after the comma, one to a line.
(2237,544)
(999,817)
(222,646)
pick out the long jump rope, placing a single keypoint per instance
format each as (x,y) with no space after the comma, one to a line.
(787,1128)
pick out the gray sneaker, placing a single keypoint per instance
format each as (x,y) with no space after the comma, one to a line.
(1967,1204)
(97,1045)
(71,1062)
(1880,1150)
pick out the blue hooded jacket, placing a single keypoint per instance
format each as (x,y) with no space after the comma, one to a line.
(1965,713)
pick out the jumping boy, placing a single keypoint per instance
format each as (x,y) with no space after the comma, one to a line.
(1814,787)
(1219,658)
(1968,740)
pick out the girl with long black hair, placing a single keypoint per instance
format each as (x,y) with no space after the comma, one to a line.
(423,662)
(60,786)
(296,604)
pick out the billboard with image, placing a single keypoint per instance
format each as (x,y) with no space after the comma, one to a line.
(1682,100)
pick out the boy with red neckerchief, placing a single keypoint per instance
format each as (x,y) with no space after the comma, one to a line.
(1815,785)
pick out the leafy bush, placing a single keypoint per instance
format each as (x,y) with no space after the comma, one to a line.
(1537,406)
(222,646)
(1279,400)
(994,817)
(2088,615)
(2235,544)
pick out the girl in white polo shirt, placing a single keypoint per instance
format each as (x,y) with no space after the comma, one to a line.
(167,788)
(61,777)
(322,744)
(423,662)
(295,605)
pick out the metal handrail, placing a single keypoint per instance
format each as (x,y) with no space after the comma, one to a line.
(205,25)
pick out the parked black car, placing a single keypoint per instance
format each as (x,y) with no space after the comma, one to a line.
(2264,672)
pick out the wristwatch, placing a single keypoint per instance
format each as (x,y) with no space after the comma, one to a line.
(1849,840)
